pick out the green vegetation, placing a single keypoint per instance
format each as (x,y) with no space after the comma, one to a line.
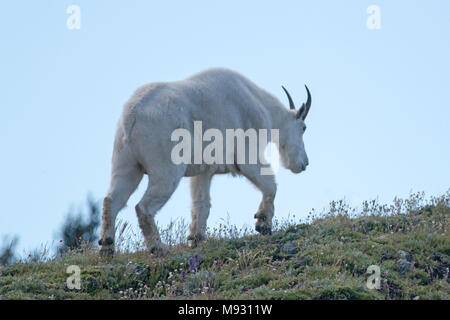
(325,257)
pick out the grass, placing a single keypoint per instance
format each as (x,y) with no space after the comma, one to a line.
(324,257)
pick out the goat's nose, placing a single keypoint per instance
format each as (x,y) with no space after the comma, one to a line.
(305,165)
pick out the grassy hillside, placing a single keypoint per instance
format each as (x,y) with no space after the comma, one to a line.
(326,257)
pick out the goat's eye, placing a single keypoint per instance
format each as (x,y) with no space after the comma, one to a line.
(304,128)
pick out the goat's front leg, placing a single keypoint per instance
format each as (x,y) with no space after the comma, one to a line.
(266,184)
(201,204)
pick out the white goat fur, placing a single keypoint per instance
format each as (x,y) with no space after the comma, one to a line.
(221,99)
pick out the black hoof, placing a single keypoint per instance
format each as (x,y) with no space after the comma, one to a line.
(193,241)
(159,251)
(107,252)
(263,230)
(196,238)
(192,244)
(107,242)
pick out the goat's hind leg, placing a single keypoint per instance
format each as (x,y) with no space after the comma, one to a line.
(123,183)
(160,188)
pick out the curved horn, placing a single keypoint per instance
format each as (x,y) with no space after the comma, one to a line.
(291,103)
(308,103)
(303,112)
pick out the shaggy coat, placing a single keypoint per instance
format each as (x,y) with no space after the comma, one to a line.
(220,98)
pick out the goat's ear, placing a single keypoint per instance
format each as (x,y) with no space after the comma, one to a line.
(300,112)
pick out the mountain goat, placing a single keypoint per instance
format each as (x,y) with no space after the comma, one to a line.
(218,100)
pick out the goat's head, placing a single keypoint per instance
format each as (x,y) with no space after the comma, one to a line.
(291,147)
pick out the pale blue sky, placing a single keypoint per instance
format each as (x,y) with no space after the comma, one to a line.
(378,126)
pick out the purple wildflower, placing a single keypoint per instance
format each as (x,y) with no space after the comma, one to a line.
(193,263)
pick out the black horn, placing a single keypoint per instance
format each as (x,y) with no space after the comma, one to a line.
(291,103)
(308,103)
(303,112)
